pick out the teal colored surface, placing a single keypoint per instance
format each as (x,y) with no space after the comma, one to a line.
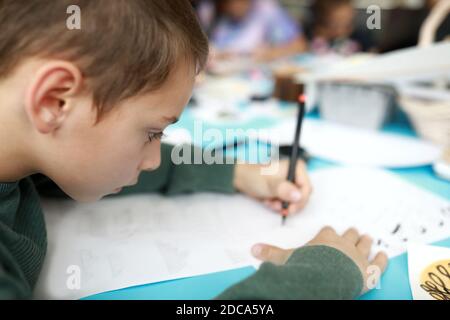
(394,283)
(202,287)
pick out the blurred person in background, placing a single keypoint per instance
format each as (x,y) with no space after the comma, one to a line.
(333,29)
(259,29)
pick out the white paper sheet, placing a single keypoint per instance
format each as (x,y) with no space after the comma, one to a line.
(409,64)
(429,272)
(135,240)
(354,146)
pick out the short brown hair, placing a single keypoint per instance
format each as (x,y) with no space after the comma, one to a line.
(124,47)
(322,8)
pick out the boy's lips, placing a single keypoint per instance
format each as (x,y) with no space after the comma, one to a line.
(132,184)
(127,185)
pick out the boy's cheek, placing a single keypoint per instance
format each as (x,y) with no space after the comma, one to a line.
(89,176)
(89,187)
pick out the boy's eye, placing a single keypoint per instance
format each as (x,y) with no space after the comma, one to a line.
(152,136)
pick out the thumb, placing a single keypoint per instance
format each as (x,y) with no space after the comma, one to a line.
(269,253)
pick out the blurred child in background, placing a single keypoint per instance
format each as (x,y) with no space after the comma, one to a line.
(333,29)
(260,29)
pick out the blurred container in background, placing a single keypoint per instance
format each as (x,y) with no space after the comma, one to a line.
(364,105)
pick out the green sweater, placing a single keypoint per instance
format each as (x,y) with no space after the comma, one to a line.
(314,272)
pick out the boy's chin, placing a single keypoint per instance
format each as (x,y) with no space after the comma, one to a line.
(87,198)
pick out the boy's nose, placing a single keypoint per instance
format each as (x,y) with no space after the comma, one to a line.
(152,162)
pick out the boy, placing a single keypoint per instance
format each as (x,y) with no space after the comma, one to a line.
(82,113)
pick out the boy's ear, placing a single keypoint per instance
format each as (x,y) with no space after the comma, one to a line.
(47,95)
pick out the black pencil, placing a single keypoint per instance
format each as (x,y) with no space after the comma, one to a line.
(294,152)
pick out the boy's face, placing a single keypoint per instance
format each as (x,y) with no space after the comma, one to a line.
(90,161)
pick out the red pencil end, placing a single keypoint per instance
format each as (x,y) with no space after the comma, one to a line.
(302,98)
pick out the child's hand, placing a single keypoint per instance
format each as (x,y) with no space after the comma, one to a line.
(273,189)
(351,243)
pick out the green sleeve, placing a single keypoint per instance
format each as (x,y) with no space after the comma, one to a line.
(12,283)
(169,178)
(312,272)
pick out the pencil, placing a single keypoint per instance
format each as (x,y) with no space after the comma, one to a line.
(294,152)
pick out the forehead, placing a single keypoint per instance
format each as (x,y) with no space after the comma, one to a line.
(179,83)
(168,101)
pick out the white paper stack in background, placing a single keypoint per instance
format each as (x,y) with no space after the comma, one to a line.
(141,239)
(355,146)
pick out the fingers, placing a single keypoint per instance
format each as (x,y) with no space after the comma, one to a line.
(357,248)
(296,197)
(269,253)
(275,205)
(326,236)
(303,184)
(295,194)
(327,231)
(302,180)
(380,260)
(287,191)
(351,235)
(364,245)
